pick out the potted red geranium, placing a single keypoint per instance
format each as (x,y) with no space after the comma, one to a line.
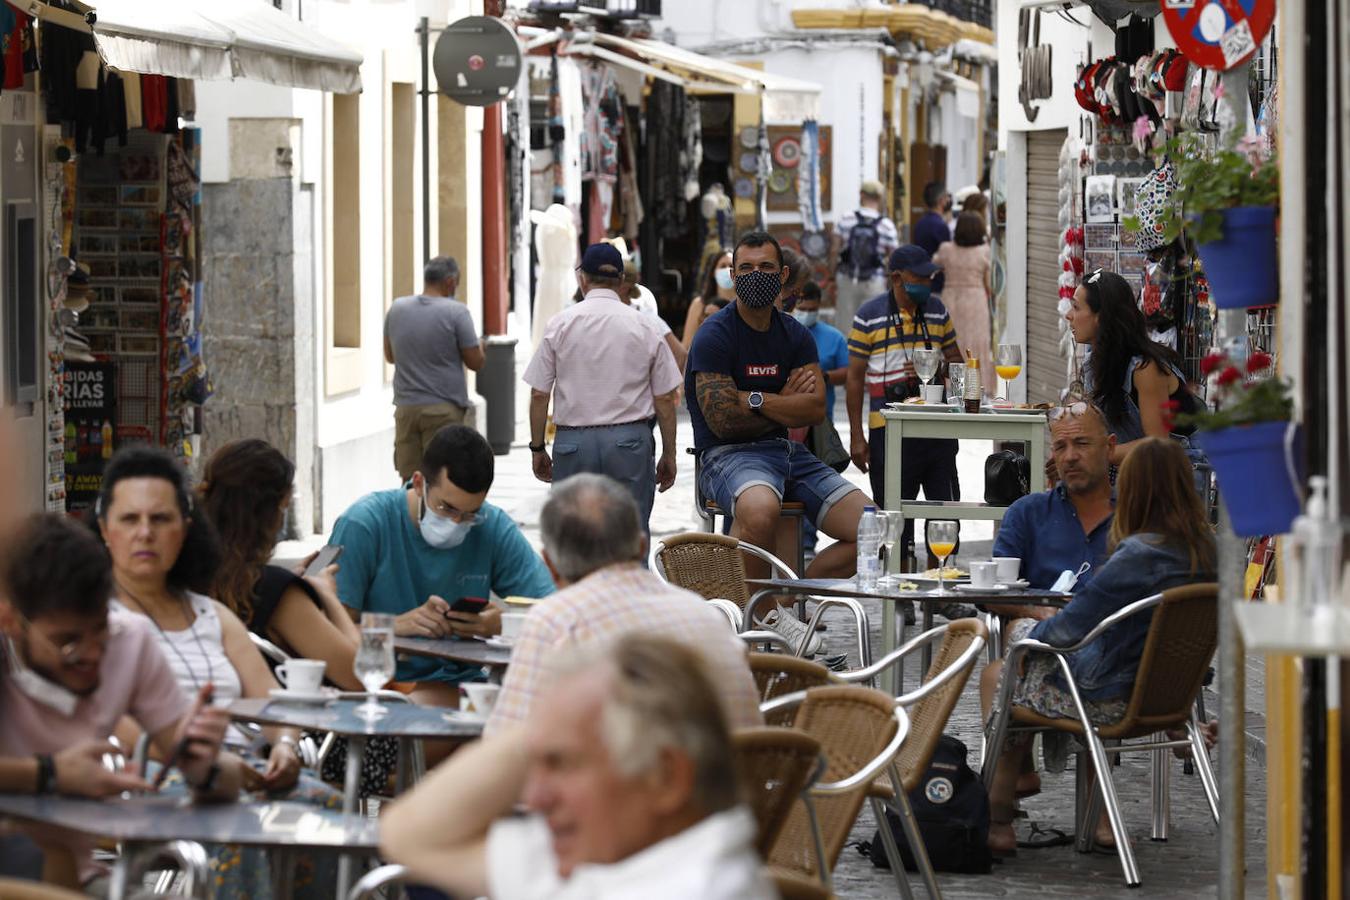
(1251,441)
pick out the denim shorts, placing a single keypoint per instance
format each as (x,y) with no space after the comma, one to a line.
(786,467)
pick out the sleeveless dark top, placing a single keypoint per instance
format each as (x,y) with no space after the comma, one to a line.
(271,585)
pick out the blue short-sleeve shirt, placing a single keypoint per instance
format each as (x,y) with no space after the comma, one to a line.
(387,567)
(1045,532)
(832,349)
(755,360)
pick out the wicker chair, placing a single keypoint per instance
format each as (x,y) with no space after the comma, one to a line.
(861,731)
(711,565)
(775,765)
(778,674)
(795,887)
(1181,640)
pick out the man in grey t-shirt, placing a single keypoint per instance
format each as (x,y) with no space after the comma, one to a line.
(429,338)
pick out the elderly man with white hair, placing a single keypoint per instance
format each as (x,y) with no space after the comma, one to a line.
(594,545)
(626,772)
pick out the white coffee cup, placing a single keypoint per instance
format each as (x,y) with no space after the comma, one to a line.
(478,697)
(304,676)
(932,393)
(983,574)
(1009,568)
(512,623)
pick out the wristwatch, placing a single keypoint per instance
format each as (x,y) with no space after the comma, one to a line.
(537,448)
(756,401)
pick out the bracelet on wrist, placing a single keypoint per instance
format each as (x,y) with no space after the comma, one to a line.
(46,774)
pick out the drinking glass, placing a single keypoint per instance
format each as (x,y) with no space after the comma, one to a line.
(926,363)
(374,664)
(956,374)
(895,527)
(942,541)
(1008,365)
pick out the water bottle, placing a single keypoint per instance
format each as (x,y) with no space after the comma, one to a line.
(871,529)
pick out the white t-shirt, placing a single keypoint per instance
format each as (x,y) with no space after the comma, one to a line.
(714,860)
(646,302)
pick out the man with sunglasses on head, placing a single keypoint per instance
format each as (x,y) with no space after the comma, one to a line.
(1066,527)
(71,669)
(415,551)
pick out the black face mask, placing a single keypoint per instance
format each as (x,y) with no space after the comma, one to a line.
(758,289)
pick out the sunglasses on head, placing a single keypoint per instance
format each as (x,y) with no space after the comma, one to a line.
(1094,277)
(1075,409)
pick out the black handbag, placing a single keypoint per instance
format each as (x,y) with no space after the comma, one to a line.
(824,442)
(1007,476)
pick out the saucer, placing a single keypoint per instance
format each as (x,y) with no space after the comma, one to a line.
(991,589)
(500,642)
(322,695)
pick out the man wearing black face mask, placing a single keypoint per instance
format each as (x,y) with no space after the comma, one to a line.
(753,373)
(886,331)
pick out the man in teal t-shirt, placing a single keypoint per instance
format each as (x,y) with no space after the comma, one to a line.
(414,551)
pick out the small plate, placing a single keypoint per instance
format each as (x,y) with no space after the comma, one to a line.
(286,695)
(991,589)
(1012,410)
(929,579)
(922,407)
(500,642)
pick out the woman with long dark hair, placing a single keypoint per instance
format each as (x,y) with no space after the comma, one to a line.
(965,262)
(245,492)
(716,287)
(1128,375)
(1160,538)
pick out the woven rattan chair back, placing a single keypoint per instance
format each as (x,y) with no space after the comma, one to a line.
(774,765)
(928,717)
(853,725)
(1181,641)
(777,674)
(794,887)
(707,564)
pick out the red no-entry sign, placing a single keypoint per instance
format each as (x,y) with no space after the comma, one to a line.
(1218,34)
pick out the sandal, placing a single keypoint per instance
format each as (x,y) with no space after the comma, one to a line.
(1002,838)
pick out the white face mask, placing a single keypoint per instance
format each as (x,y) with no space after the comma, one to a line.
(806,317)
(39,689)
(439,531)
(723,277)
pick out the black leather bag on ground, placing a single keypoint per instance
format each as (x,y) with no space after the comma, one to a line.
(952,809)
(825,443)
(1007,476)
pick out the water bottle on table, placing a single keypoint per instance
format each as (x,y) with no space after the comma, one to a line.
(871,530)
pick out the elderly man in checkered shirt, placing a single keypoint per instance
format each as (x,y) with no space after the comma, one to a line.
(594,544)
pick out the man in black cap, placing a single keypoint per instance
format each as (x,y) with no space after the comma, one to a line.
(886,331)
(609,372)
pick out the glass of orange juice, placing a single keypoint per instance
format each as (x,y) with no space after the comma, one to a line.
(1008,365)
(941,542)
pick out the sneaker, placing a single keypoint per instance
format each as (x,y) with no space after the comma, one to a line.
(793,629)
(836,662)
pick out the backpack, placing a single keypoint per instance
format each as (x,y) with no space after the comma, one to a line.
(952,810)
(861,256)
(1007,476)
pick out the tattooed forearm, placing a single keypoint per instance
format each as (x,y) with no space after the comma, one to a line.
(721,405)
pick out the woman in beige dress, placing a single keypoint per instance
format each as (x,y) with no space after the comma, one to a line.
(965,263)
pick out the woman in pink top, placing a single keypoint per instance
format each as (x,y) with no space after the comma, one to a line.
(966,265)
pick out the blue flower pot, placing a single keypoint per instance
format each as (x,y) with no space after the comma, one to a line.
(1242,266)
(1257,467)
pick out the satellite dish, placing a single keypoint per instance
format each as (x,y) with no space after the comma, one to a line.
(477,61)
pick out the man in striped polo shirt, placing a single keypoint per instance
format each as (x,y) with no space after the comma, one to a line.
(886,331)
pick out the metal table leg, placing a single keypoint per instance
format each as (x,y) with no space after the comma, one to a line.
(356,752)
(283,872)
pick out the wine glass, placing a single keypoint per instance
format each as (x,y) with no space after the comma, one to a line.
(941,542)
(374,664)
(926,363)
(895,527)
(1008,365)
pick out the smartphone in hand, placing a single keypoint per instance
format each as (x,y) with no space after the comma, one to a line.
(474,605)
(325,558)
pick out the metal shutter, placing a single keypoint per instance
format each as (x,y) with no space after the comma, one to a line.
(1045,363)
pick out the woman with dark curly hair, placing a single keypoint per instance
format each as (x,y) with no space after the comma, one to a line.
(1129,376)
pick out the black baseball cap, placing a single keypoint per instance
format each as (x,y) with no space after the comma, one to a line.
(603,260)
(913,258)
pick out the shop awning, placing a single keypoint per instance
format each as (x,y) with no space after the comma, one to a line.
(214,41)
(785,99)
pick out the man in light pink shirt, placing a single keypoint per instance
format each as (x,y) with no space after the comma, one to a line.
(609,372)
(594,549)
(70,670)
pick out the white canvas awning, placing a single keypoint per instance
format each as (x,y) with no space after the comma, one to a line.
(785,99)
(212,40)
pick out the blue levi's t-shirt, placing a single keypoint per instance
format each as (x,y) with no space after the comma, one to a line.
(1044,530)
(755,360)
(387,567)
